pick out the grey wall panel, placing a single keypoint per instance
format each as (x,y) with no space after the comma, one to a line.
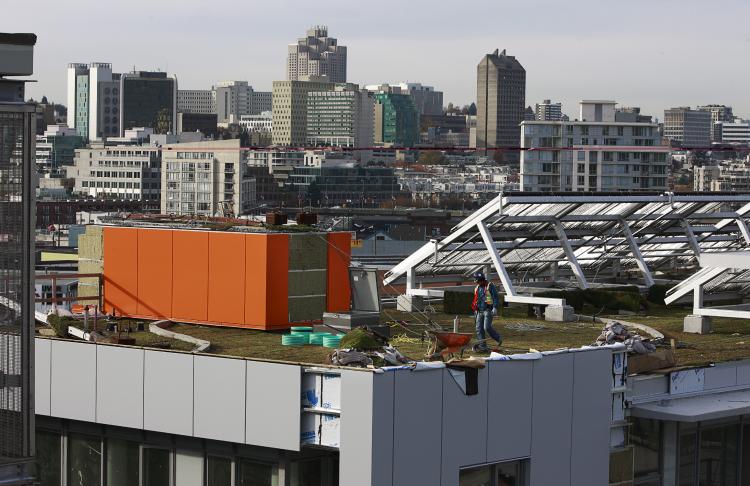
(119,386)
(219,398)
(42,350)
(721,376)
(168,392)
(73,390)
(643,386)
(743,373)
(273,405)
(509,413)
(382,433)
(592,416)
(551,420)
(464,427)
(418,411)
(357,428)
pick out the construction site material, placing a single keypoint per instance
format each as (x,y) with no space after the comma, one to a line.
(350,357)
(301,329)
(659,359)
(615,332)
(361,340)
(697,324)
(316,338)
(276,219)
(558,313)
(333,341)
(160,329)
(293,340)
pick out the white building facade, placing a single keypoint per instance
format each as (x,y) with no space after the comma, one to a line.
(597,153)
(316,54)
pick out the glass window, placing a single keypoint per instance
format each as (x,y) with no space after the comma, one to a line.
(646,438)
(156,467)
(218,471)
(122,462)
(84,460)
(718,456)
(476,476)
(48,458)
(687,458)
(254,473)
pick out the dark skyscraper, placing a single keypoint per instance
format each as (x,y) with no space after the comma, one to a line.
(501,102)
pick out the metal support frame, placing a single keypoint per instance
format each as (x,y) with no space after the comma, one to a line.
(636,251)
(570,255)
(692,241)
(744,231)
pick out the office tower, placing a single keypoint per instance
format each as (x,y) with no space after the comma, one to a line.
(206,179)
(17,213)
(736,132)
(396,120)
(600,153)
(426,100)
(93,100)
(196,101)
(316,54)
(149,99)
(342,117)
(719,113)
(236,98)
(548,111)
(290,109)
(55,148)
(501,102)
(688,128)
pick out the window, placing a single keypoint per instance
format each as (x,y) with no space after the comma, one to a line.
(122,462)
(513,473)
(218,471)
(48,458)
(254,473)
(156,465)
(84,460)
(581,155)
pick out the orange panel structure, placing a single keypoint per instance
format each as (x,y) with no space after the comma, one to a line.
(211,277)
(277,296)
(226,278)
(338,289)
(120,270)
(155,273)
(190,276)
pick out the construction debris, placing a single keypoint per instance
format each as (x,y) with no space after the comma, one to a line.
(615,332)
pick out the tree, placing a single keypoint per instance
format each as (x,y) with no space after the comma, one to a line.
(473,109)
(163,122)
(44,100)
(430,157)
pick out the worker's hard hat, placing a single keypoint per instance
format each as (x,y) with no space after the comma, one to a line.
(478,277)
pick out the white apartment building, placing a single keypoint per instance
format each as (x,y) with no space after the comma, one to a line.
(206,179)
(316,54)
(196,101)
(341,117)
(597,153)
(729,177)
(548,111)
(262,122)
(121,171)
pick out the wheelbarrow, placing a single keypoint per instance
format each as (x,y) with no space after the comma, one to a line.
(446,344)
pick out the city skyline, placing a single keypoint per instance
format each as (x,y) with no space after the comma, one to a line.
(643,66)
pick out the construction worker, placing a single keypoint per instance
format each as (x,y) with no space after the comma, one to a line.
(486,300)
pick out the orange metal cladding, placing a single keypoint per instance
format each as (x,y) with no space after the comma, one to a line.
(155,273)
(338,289)
(189,291)
(120,270)
(277,296)
(256,280)
(226,278)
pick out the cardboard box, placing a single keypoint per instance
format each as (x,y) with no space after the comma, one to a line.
(659,359)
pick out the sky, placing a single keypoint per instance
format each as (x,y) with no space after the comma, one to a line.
(649,53)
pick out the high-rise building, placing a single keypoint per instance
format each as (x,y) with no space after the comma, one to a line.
(548,111)
(594,153)
(396,120)
(316,54)
(719,113)
(201,101)
(501,102)
(148,99)
(17,214)
(342,117)
(427,101)
(688,128)
(206,179)
(737,131)
(290,109)
(236,98)
(93,100)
